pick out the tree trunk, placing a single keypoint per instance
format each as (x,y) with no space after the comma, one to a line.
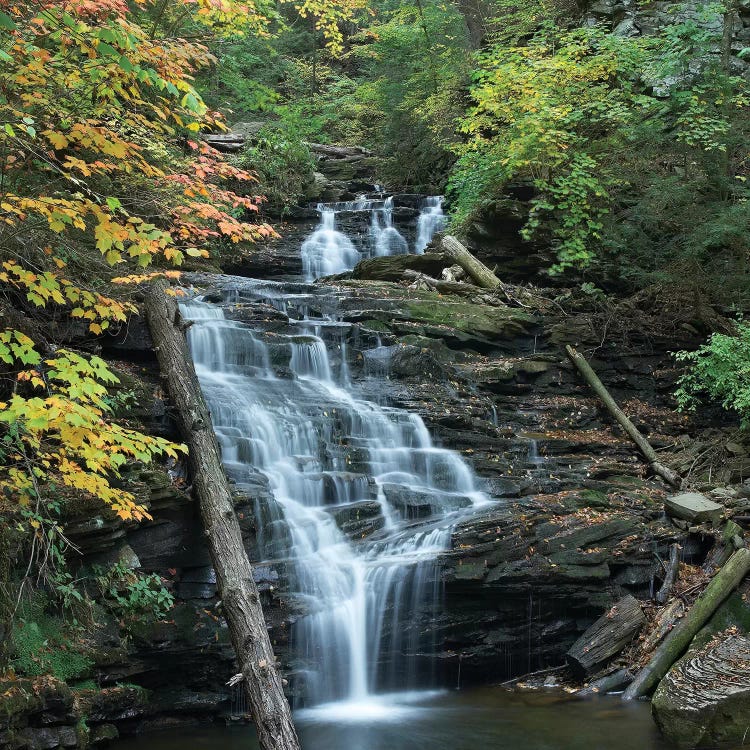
(234,575)
(473,266)
(671,477)
(673,646)
(607,636)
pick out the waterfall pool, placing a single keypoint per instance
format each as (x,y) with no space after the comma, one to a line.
(491,718)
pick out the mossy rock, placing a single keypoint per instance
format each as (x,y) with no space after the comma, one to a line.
(474,320)
(592,499)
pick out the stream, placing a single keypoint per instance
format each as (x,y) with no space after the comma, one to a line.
(489,718)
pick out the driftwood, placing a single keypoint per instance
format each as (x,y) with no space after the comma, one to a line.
(644,446)
(607,636)
(663,623)
(671,574)
(607,684)
(458,288)
(234,576)
(674,645)
(479,273)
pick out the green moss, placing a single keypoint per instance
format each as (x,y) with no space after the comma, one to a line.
(592,499)
(375,325)
(42,646)
(468,318)
(84,685)
(735,612)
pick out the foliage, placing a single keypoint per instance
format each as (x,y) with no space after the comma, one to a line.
(719,370)
(100,178)
(538,109)
(131,595)
(41,644)
(623,140)
(284,164)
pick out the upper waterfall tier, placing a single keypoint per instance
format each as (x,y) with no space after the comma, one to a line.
(329,250)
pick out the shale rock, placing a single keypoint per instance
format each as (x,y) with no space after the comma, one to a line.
(705,698)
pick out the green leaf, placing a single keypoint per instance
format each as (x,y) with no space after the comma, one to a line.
(6,22)
(126,65)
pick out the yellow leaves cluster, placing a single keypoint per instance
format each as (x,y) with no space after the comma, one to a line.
(48,287)
(329,15)
(66,435)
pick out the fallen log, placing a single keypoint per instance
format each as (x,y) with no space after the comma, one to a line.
(674,645)
(458,288)
(608,684)
(670,476)
(704,700)
(474,267)
(337,152)
(664,622)
(607,636)
(234,576)
(228,142)
(671,574)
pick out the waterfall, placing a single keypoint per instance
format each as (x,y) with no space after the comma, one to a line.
(327,251)
(364,607)
(386,239)
(431,220)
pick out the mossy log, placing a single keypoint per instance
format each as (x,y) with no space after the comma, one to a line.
(607,636)
(704,701)
(671,477)
(482,276)
(234,575)
(674,645)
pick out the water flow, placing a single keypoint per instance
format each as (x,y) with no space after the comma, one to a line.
(366,605)
(327,251)
(431,220)
(386,239)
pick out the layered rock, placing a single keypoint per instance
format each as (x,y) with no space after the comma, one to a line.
(705,698)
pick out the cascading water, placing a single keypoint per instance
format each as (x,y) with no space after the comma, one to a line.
(431,220)
(326,453)
(327,251)
(386,239)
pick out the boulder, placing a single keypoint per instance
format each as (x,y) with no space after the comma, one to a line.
(694,507)
(705,698)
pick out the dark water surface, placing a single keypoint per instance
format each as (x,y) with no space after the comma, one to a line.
(485,719)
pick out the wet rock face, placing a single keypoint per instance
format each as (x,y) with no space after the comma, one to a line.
(705,698)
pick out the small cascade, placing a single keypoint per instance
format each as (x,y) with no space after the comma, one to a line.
(431,221)
(534,457)
(386,239)
(327,251)
(367,606)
